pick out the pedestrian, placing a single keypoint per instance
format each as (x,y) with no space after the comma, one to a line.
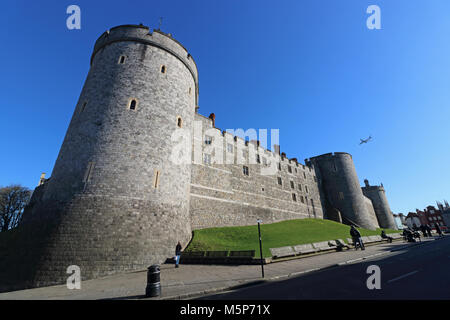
(438,230)
(408,235)
(424,230)
(428,230)
(177,254)
(356,236)
(385,236)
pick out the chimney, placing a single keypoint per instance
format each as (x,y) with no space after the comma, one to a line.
(212,116)
(276,148)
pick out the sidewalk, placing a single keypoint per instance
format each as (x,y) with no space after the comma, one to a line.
(191,281)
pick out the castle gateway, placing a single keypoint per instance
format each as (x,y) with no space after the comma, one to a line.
(115,202)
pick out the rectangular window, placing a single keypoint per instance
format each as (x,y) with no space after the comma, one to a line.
(207,159)
(156,177)
(88,172)
(302,199)
(292,185)
(312,202)
(83,107)
(306,189)
(245,170)
(208,139)
(279,181)
(279,166)
(294,197)
(258,159)
(304,175)
(264,161)
(289,169)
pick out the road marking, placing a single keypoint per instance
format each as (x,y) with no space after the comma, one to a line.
(403,276)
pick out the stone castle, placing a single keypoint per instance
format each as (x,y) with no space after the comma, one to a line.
(115,203)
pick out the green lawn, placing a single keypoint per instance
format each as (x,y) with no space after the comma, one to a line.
(274,235)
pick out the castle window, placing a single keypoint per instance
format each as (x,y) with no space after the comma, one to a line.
(258,159)
(306,189)
(83,107)
(304,175)
(132,105)
(312,202)
(292,185)
(295,170)
(302,199)
(87,174)
(207,159)
(294,197)
(179,122)
(279,166)
(156,177)
(121,60)
(289,169)
(280,182)
(163,69)
(208,139)
(245,170)
(299,187)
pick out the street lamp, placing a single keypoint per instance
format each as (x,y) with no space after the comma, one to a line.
(260,247)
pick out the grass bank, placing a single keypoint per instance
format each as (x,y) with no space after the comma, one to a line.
(274,235)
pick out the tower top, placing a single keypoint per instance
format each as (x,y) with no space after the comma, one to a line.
(142,34)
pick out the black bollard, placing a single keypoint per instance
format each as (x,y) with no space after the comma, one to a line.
(153,288)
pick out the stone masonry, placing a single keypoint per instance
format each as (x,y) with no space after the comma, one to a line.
(119,200)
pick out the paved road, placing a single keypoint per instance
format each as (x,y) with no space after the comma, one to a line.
(421,272)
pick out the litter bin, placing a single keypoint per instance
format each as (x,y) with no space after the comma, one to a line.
(153,288)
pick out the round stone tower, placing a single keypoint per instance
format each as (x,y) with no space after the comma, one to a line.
(341,188)
(380,204)
(117,200)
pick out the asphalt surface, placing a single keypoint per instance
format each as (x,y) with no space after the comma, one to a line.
(420,272)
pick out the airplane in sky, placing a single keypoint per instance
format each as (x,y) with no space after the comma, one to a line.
(365,140)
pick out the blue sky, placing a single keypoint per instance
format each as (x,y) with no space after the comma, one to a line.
(310,68)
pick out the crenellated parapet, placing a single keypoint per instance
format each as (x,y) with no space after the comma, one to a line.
(157,39)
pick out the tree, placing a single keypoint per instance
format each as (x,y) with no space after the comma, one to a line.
(13,200)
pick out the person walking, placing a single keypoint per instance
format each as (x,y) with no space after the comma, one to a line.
(385,236)
(177,254)
(424,230)
(438,230)
(356,236)
(427,227)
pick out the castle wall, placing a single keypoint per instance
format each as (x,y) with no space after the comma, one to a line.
(129,183)
(118,201)
(222,195)
(381,205)
(371,212)
(341,188)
